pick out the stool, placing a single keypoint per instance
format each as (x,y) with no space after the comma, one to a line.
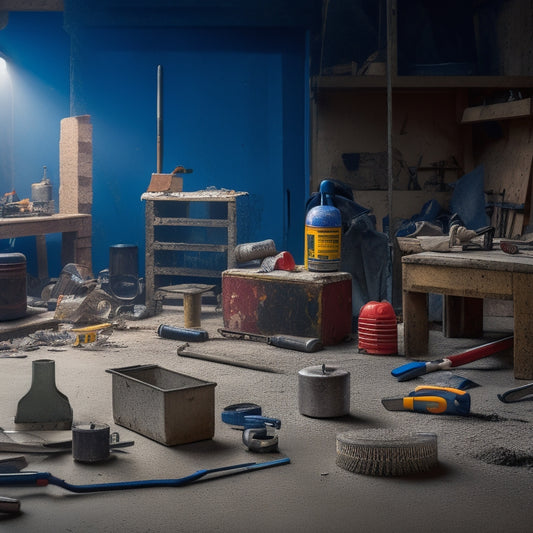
(192,300)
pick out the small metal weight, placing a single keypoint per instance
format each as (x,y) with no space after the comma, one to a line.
(90,442)
(323,391)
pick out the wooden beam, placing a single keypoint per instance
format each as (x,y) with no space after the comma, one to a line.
(504,111)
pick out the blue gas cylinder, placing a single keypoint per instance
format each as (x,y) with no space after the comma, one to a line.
(323,227)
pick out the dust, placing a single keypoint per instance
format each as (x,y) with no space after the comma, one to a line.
(493,417)
(505,457)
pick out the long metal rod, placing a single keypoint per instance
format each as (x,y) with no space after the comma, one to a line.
(42,479)
(159,118)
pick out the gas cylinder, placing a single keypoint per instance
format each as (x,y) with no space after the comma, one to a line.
(323,225)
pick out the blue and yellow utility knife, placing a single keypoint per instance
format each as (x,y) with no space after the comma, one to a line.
(432,400)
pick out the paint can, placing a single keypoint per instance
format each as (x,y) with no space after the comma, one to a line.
(323,227)
(90,442)
(323,391)
(13,296)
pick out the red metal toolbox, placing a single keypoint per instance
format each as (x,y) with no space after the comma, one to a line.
(303,303)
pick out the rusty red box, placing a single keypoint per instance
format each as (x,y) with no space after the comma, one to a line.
(302,303)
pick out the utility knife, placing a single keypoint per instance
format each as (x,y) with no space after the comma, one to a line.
(431,400)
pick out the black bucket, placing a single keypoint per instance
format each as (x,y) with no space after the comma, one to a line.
(123,260)
(13,296)
(124,271)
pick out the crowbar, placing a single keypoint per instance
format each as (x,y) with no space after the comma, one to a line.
(42,479)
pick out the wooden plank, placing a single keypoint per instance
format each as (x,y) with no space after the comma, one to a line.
(474,283)
(501,111)
(507,164)
(41,225)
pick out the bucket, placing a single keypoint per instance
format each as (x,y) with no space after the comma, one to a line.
(123,260)
(124,271)
(323,226)
(378,329)
(13,297)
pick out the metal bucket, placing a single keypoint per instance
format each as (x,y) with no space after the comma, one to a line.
(13,297)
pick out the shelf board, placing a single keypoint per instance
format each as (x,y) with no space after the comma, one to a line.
(197,222)
(188,247)
(421,82)
(502,111)
(192,272)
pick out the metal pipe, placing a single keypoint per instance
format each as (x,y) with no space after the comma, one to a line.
(159,118)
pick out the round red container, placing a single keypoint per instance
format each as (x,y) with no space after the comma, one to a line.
(378,329)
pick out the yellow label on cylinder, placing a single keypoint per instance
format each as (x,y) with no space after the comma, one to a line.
(322,248)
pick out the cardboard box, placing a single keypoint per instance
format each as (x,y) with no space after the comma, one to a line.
(165,183)
(163,405)
(302,303)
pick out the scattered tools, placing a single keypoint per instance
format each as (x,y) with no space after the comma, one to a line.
(289,342)
(386,452)
(419,368)
(90,333)
(42,479)
(183,352)
(258,435)
(431,400)
(525,392)
(43,406)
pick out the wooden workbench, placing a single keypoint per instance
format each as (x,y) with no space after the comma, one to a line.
(470,276)
(75,230)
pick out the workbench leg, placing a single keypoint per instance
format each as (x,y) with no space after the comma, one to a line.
(462,317)
(42,257)
(415,323)
(523,326)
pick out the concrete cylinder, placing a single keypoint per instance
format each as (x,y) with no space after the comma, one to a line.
(323,391)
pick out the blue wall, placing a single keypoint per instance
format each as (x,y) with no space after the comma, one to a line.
(33,100)
(234,109)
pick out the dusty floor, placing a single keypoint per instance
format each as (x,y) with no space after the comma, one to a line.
(466,492)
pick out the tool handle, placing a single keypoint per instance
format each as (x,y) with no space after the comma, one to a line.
(257,421)
(300,344)
(479,352)
(9,505)
(441,401)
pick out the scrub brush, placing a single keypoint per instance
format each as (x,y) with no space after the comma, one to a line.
(386,452)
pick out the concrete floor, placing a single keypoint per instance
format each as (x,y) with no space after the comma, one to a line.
(311,494)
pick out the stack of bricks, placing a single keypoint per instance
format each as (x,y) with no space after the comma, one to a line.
(76,165)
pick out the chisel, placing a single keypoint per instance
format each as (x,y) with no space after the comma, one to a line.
(419,368)
(290,342)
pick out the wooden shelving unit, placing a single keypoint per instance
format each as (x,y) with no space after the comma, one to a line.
(191,235)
